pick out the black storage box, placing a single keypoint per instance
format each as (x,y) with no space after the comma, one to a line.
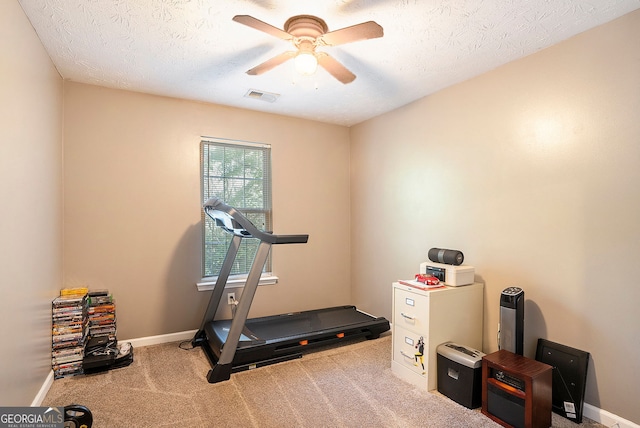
(460,374)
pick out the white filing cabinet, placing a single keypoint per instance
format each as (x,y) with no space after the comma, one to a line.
(437,316)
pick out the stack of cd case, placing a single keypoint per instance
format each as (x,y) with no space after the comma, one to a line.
(101,314)
(69,331)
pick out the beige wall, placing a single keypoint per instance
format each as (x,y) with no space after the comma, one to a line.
(132,205)
(532,170)
(31,214)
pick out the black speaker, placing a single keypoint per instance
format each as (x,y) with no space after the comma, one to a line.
(511,334)
(449,257)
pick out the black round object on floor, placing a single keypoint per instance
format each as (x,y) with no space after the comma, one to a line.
(77,416)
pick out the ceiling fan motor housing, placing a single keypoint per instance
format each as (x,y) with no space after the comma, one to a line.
(305,26)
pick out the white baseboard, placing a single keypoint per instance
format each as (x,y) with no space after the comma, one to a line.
(606,418)
(37,401)
(162,338)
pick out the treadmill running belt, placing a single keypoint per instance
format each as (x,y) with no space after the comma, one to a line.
(304,323)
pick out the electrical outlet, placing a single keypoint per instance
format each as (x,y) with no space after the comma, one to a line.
(231,298)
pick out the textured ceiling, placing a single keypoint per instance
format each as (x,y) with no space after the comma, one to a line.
(192,49)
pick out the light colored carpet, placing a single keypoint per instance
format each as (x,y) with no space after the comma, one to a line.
(346,386)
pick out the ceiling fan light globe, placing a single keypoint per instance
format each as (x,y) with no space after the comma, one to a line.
(306,63)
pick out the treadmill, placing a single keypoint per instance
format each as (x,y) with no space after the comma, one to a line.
(242,344)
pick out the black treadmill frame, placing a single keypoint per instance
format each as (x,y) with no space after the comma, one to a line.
(229,354)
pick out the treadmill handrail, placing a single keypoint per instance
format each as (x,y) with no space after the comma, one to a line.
(233,218)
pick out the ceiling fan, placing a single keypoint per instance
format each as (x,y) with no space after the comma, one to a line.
(306,33)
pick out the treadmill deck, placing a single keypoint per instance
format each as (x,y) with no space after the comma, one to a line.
(274,336)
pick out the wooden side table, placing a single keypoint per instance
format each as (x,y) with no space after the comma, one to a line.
(516,390)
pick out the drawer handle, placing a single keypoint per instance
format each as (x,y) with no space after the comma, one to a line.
(404,354)
(409,317)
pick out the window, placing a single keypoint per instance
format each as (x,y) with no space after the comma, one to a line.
(239,174)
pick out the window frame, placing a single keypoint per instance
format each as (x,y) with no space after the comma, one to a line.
(235,279)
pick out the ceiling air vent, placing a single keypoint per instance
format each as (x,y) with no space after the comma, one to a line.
(261,95)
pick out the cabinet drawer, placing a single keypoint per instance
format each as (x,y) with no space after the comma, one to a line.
(405,347)
(411,310)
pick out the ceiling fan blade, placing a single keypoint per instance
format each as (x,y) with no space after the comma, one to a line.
(363,31)
(271,63)
(252,22)
(334,68)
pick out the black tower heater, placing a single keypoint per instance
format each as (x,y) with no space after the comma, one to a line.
(511,332)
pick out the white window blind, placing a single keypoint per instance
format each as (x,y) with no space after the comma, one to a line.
(239,174)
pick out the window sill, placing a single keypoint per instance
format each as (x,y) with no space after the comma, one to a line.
(207,284)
